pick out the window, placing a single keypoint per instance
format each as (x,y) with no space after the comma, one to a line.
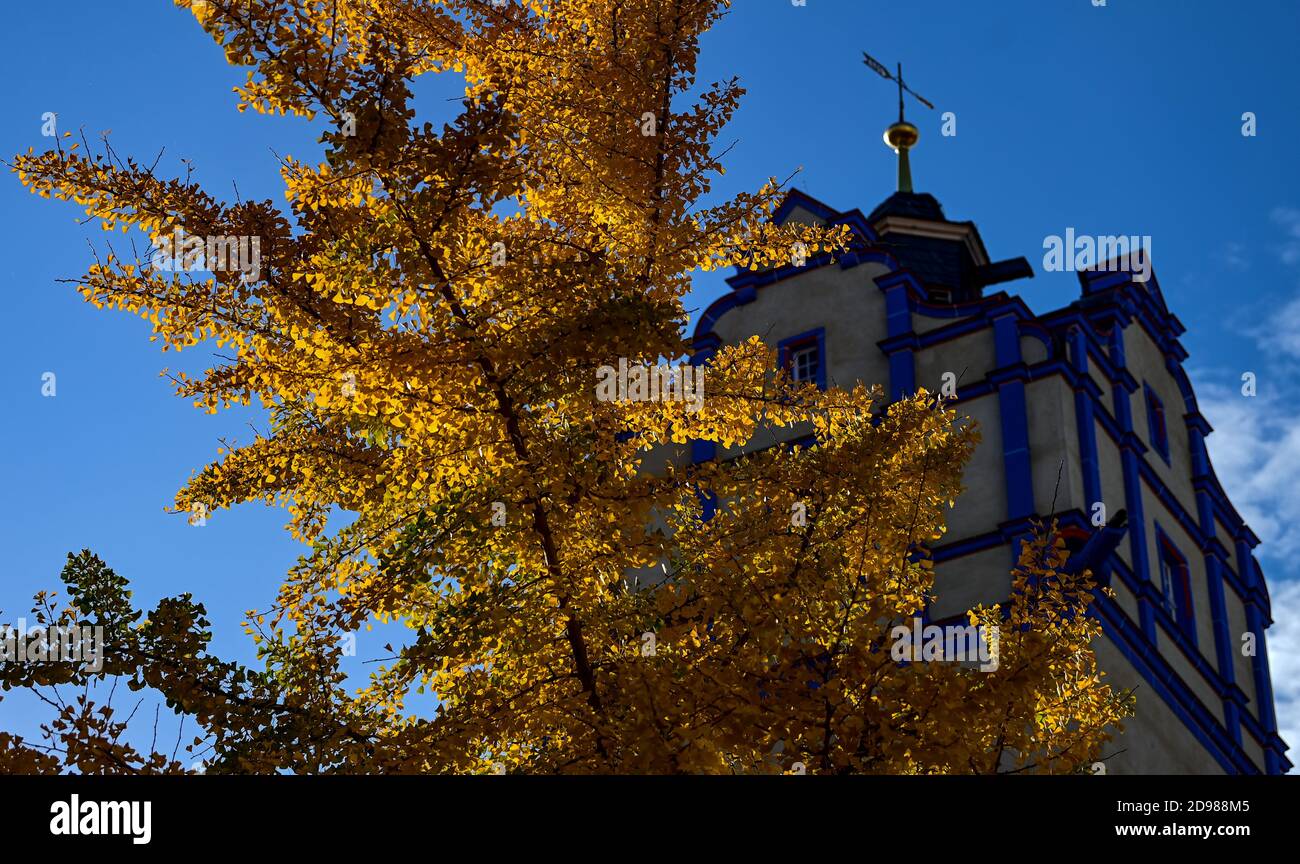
(1157,430)
(1175,586)
(804,357)
(804,362)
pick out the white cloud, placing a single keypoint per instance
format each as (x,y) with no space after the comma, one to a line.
(1289,219)
(1279,334)
(1234,256)
(1255,449)
(1284,661)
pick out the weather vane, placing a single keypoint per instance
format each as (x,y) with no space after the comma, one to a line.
(879,68)
(901,136)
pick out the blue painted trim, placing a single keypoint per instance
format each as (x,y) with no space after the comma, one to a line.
(1222,644)
(1088,393)
(1006,338)
(1145,658)
(1088,398)
(1161,677)
(715,310)
(902,375)
(1215,557)
(1112,303)
(898,347)
(1037,331)
(704,347)
(947,333)
(972,317)
(951,310)
(1129,460)
(1234,699)
(969,546)
(1256,623)
(798,199)
(974,390)
(1186,522)
(898,288)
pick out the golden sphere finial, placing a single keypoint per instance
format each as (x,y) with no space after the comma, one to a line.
(902,136)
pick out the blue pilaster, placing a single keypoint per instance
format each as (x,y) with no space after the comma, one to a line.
(900,345)
(1085,420)
(706,345)
(1009,379)
(1197,429)
(1257,622)
(1131,449)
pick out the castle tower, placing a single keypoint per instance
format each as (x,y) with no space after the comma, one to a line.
(1093,393)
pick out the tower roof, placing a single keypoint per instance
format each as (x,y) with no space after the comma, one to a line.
(913,205)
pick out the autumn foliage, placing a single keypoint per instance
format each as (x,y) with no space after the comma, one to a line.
(424,333)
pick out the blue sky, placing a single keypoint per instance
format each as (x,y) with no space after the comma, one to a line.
(1123,119)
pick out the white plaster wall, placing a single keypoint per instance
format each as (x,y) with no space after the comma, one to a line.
(1154,741)
(1186,671)
(1242,665)
(1253,749)
(926,323)
(969,358)
(847,303)
(1111,468)
(983,578)
(1225,537)
(1147,365)
(983,503)
(1033,350)
(1054,446)
(1124,597)
(1101,381)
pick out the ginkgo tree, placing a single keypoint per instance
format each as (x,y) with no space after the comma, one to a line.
(424,329)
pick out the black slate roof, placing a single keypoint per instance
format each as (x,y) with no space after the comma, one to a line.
(912,205)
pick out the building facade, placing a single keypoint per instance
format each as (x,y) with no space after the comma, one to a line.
(1084,411)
